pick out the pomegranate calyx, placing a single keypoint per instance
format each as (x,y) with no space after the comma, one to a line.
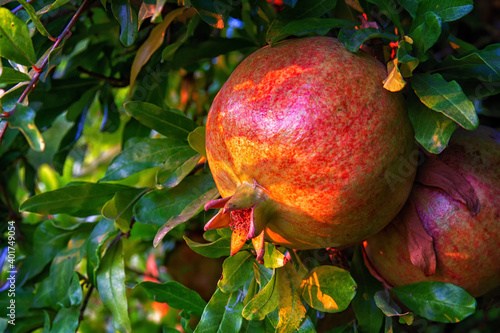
(246,212)
(438,174)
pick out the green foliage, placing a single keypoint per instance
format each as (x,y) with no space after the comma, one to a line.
(103,173)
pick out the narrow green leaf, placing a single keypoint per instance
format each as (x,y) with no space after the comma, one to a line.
(368,315)
(196,140)
(23,119)
(215,311)
(448,10)
(34,18)
(15,39)
(110,279)
(433,130)
(216,249)
(173,173)
(425,32)
(11,76)
(411,6)
(446,97)
(292,311)
(175,295)
(103,230)
(319,26)
(83,199)
(170,123)
(438,301)
(264,302)
(162,205)
(66,320)
(328,288)
(482,65)
(354,38)
(126,15)
(75,293)
(310,8)
(236,270)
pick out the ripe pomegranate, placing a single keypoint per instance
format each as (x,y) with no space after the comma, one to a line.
(464,233)
(307,148)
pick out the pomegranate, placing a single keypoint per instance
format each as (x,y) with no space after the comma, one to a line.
(307,148)
(463,226)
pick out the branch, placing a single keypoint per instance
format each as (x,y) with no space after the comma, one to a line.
(120,83)
(57,43)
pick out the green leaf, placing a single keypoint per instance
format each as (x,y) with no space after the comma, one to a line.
(23,119)
(126,15)
(34,18)
(175,295)
(220,306)
(170,123)
(448,10)
(11,76)
(445,97)
(75,293)
(390,308)
(216,249)
(292,311)
(264,302)
(110,279)
(411,6)
(425,32)
(146,154)
(433,130)
(438,301)
(236,270)
(176,204)
(66,320)
(328,288)
(81,200)
(273,258)
(354,38)
(120,208)
(319,26)
(173,173)
(482,65)
(368,315)
(103,230)
(15,39)
(196,140)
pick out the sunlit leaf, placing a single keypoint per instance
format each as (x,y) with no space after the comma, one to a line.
(196,140)
(23,119)
(220,307)
(291,310)
(394,80)
(273,258)
(15,39)
(264,302)
(328,288)
(446,97)
(216,249)
(120,207)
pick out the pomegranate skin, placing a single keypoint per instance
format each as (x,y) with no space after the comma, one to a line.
(311,123)
(466,246)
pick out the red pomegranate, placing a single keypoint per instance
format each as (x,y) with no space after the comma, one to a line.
(456,199)
(307,148)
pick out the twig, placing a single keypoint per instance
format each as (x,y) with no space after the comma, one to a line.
(45,61)
(84,305)
(113,81)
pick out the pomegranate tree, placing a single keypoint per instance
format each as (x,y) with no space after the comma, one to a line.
(307,148)
(456,199)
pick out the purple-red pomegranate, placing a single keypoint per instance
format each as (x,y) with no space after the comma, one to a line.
(307,148)
(463,225)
